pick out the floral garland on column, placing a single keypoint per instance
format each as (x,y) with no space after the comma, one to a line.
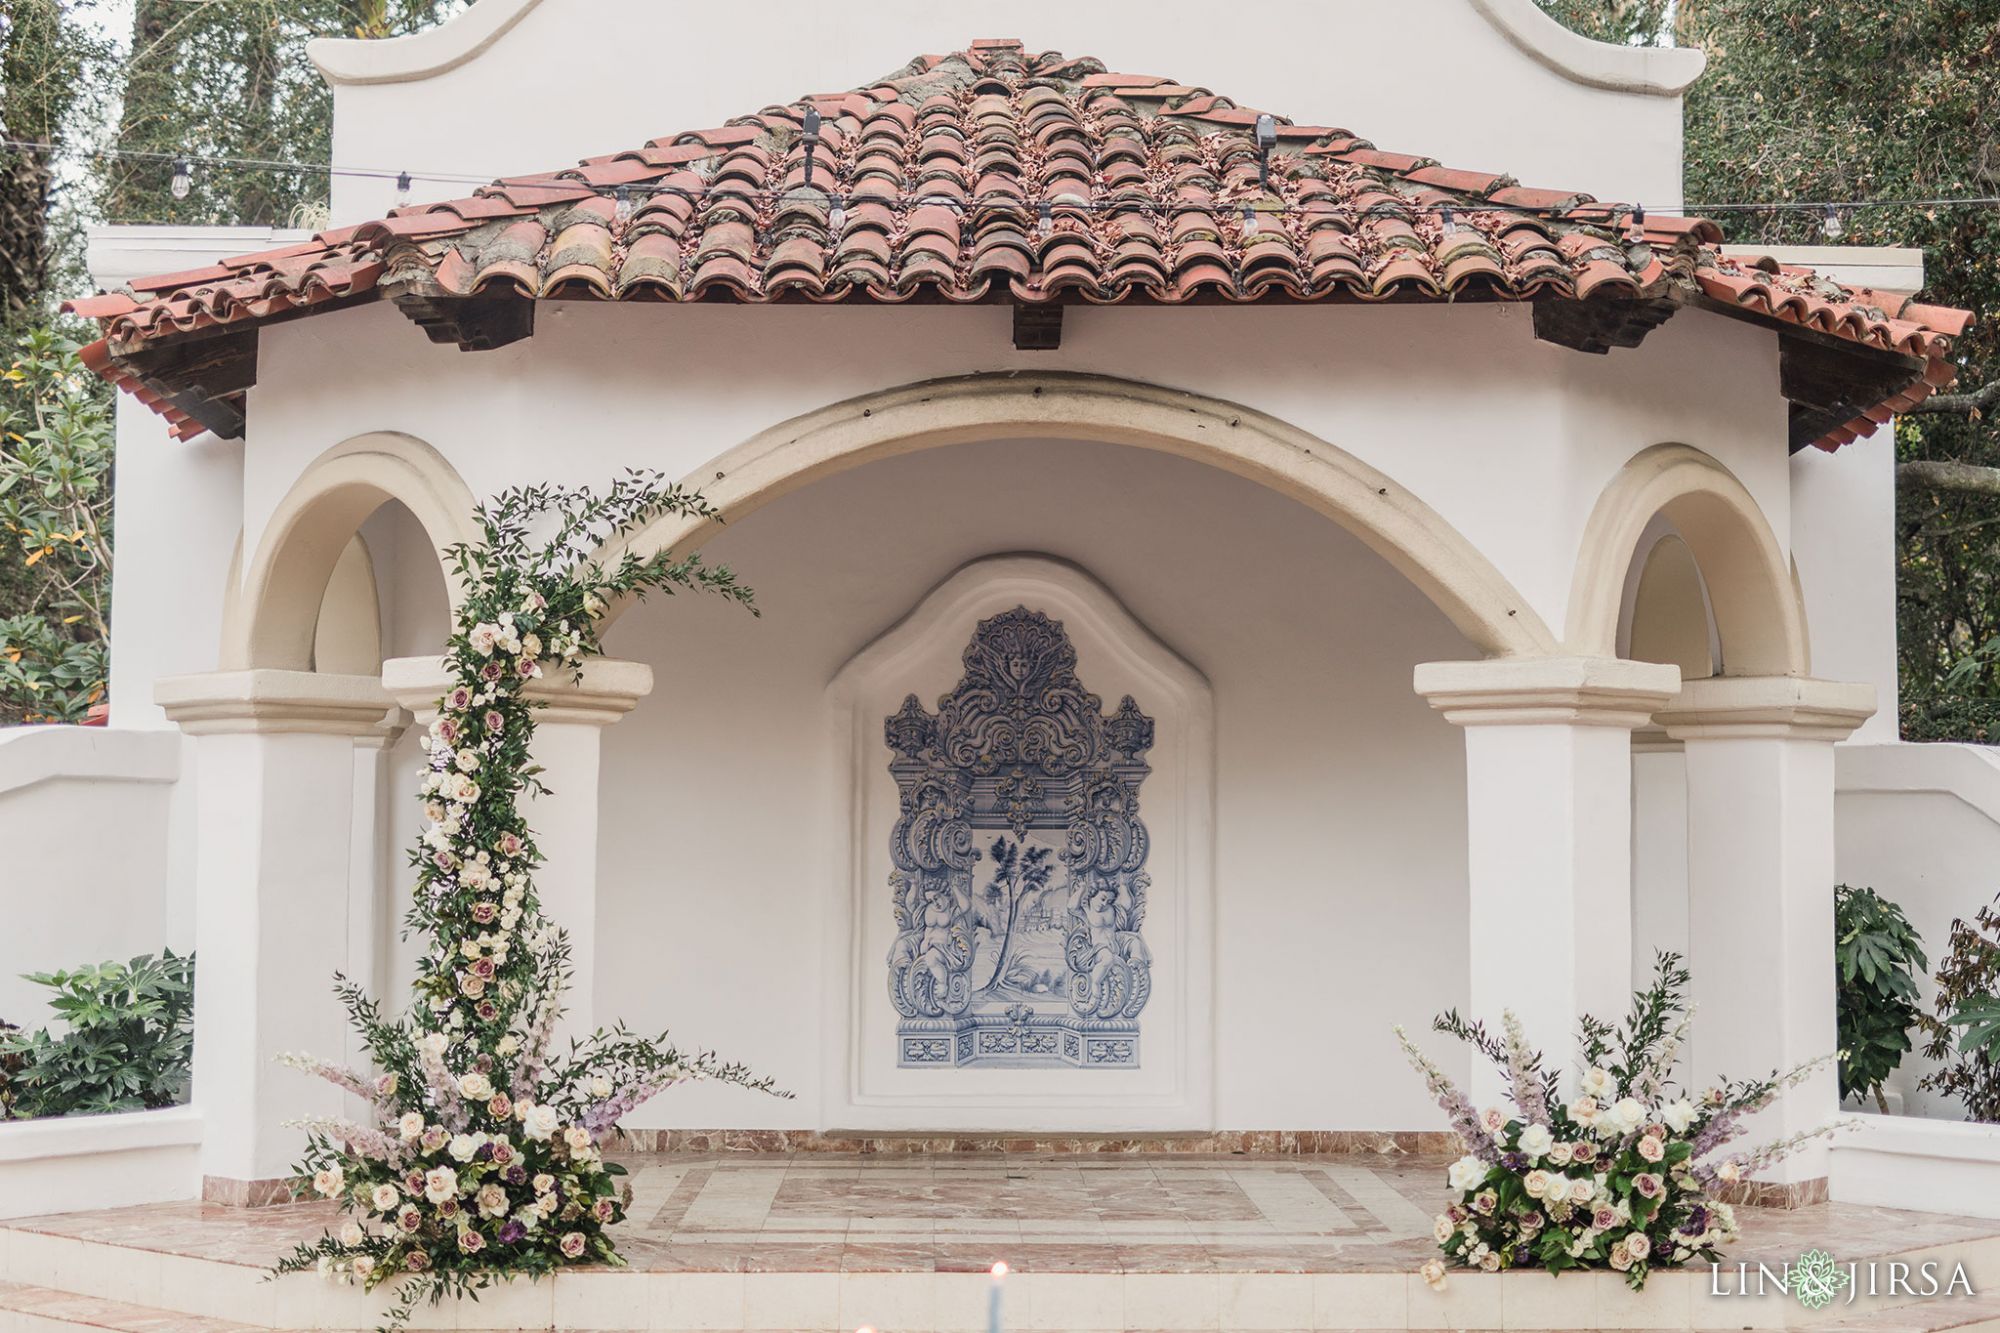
(1621,1175)
(485,1157)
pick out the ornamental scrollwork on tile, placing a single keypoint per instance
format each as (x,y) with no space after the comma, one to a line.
(1019,882)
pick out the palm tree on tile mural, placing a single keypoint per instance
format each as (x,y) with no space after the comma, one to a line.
(1021,873)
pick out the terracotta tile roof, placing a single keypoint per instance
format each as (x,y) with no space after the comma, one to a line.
(998,174)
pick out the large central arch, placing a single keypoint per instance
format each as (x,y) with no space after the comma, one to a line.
(1398,526)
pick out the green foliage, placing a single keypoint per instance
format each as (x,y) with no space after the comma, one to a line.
(1877,954)
(126,1045)
(230,79)
(484,1155)
(1965,1033)
(56,451)
(52,59)
(1816,102)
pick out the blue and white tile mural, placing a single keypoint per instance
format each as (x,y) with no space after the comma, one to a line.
(1020,862)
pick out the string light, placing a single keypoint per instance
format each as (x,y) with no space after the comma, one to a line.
(402,189)
(1450,223)
(1249,220)
(1829,210)
(183,179)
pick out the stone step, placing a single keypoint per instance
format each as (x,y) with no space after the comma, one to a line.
(50,1282)
(30,1309)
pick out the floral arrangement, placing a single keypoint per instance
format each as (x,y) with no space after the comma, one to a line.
(1622,1175)
(485,1155)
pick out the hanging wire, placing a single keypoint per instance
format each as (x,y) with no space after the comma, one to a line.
(1830,211)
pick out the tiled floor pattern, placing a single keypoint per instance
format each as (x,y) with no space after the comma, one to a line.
(902,1243)
(817,1213)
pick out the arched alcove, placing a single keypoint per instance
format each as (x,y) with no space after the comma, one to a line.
(309,536)
(1668,619)
(1742,569)
(1397,525)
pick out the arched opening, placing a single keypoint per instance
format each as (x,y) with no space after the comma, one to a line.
(1337,820)
(1743,572)
(1395,524)
(308,575)
(1666,613)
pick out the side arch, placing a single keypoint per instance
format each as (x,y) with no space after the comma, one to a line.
(1747,574)
(284,583)
(1398,526)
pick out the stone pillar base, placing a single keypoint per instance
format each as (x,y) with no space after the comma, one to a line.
(245,1193)
(1778,1193)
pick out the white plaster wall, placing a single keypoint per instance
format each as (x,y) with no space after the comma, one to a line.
(574,78)
(1340,877)
(1460,404)
(84,816)
(1920,824)
(1844,546)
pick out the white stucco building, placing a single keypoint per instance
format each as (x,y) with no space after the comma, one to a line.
(1464,603)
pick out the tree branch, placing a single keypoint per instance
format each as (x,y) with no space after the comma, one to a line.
(1966,478)
(1977,402)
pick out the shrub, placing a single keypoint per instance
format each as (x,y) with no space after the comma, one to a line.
(1877,954)
(1623,1174)
(1968,998)
(128,1043)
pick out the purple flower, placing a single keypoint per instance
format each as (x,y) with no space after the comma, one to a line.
(1513,1161)
(512,1232)
(515,1174)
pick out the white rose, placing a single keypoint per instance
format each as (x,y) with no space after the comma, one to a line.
(600,1087)
(464,1147)
(577,1138)
(351,1234)
(1597,1083)
(1467,1172)
(539,1123)
(1629,1114)
(1584,1111)
(483,637)
(476,1087)
(1638,1245)
(508,1044)
(434,1043)
(441,1184)
(385,1198)
(330,1181)
(1536,1140)
(1580,1191)
(1678,1115)
(363,1267)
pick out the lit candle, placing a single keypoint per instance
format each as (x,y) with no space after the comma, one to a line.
(993,1301)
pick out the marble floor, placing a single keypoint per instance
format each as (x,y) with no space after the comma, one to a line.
(759,1213)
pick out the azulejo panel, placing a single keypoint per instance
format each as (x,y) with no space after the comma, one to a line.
(1019,856)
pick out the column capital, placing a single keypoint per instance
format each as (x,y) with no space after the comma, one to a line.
(1778,707)
(1540,691)
(609,689)
(267,702)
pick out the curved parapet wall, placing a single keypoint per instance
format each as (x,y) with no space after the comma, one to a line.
(1657,71)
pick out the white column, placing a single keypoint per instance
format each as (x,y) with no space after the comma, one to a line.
(568,730)
(1548,770)
(1760,887)
(274,763)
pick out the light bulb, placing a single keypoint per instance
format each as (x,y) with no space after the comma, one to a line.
(625,204)
(402,189)
(1249,220)
(183,179)
(1450,224)
(1832,225)
(1046,222)
(836,217)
